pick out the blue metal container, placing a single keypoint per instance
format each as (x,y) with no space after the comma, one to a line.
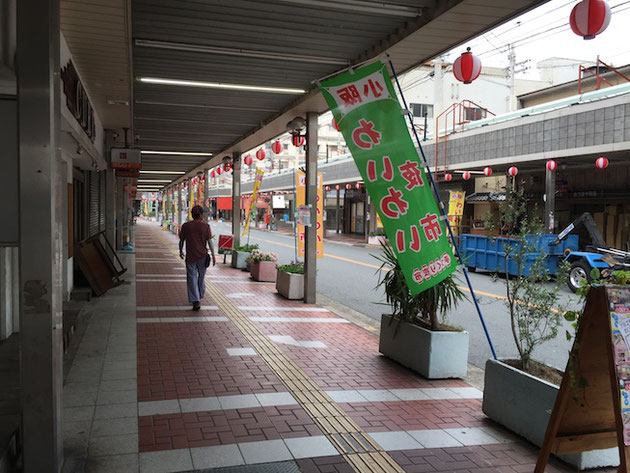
(482,252)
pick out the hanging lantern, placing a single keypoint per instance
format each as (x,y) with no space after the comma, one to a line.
(327,188)
(589,18)
(551,165)
(487,171)
(448,177)
(335,124)
(357,186)
(337,187)
(348,186)
(467,67)
(219,171)
(601,163)
(260,154)
(248,160)
(466,175)
(276,147)
(513,171)
(298,140)
(227,167)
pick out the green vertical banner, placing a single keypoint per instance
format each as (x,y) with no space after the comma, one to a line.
(369,116)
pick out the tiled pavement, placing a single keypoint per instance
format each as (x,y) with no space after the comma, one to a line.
(190,391)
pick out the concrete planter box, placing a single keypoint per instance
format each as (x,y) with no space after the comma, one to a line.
(377,240)
(264,271)
(238,259)
(290,285)
(522,403)
(434,355)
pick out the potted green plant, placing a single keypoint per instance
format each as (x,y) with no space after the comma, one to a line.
(290,281)
(240,254)
(413,334)
(520,393)
(263,265)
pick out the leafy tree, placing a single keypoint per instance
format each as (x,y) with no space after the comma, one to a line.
(533,305)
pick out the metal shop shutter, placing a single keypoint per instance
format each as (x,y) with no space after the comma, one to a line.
(102,201)
(93,208)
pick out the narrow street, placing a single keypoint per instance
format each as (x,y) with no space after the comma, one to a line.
(349,274)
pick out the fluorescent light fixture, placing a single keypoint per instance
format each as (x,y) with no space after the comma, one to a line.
(219,85)
(163,172)
(154,180)
(180,153)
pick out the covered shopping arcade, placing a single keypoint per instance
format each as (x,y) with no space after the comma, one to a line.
(189,84)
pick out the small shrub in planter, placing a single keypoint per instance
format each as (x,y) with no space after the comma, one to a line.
(376,238)
(263,266)
(290,282)
(240,254)
(412,335)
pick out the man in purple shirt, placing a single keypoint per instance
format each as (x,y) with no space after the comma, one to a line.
(197,235)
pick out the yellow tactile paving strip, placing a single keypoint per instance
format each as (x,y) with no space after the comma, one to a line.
(358,449)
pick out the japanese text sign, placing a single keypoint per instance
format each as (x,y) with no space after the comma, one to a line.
(252,206)
(372,122)
(456,200)
(300,195)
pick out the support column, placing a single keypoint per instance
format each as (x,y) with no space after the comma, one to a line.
(120,216)
(178,207)
(206,207)
(39,241)
(550,200)
(338,217)
(310,250)
(236,197)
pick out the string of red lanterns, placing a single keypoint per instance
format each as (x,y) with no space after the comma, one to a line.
(248,160)
(277,147)
(260,154)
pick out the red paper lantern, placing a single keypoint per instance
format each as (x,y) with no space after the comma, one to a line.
(357,186)
(327,188)
(227,167)
(219,171)
(466,175)
(337,187)
(335,124)
(260,154)
(248,160)
(467,67)
(298,140)
(276,147)
(589,18)
(448,177)
(348,186)
(513,171)
(487,171)
(601,163)
(551,165)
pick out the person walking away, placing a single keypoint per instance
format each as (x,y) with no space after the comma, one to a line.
(196,234)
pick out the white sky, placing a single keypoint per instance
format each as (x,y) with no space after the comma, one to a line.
(545,32)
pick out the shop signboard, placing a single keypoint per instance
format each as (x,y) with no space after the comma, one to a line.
(456,201)
(125,158)
(259,177)
(364,104)
(300,196)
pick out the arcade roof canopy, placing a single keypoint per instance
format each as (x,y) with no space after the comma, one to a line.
(209,77)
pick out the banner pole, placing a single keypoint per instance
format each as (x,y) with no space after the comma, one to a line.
(442,209)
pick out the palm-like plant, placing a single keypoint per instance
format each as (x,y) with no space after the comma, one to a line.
(423,308)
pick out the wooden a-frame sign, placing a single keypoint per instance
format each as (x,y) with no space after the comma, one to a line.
(598,415)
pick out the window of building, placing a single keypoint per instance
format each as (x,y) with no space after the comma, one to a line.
(420,109)
(473,113)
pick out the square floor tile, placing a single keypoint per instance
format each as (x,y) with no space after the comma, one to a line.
(242,401)
(166,461)
(395,441)
(276,399)
(378,395)
(113,464)
(117,397)
(105,427)
(151,408)
(264,451)
(441,393)
(75,414)
(116,411)
(468,393)
(216,457)
(241,352)
(410,394)
(434,438)
(472,436)
(346,396)
(114,445)
(310,447)
(200,404)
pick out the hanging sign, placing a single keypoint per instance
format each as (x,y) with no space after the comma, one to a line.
(122,158)
(254,199)
(365,107)
(300,196)
(456,209)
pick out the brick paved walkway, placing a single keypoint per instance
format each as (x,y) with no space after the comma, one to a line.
(212,386)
